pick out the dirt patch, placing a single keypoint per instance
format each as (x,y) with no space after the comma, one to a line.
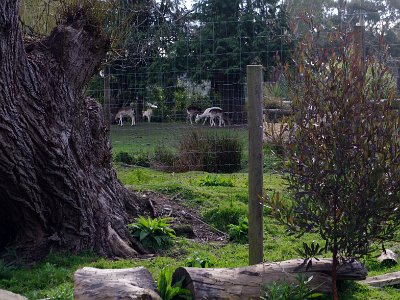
(185,221)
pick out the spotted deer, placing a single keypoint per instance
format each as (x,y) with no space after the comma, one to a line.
(212,113)
(125,112)
(149,111)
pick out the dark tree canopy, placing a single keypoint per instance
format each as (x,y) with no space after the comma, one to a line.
(58,188)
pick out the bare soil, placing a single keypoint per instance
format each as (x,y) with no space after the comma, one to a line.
(185,221)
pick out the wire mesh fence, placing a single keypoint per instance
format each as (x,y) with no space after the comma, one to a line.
(165,71)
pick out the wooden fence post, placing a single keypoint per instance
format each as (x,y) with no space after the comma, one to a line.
(255,96)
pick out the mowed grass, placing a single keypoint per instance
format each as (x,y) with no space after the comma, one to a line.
(53,277)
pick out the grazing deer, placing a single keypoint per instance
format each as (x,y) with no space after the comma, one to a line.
(192,111)
(149,111)
(212,113)
(125,112)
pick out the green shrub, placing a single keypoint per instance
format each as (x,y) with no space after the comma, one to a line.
(213,180)
(210,152)
(139,159)
(198,260)
(152,233)
(124,157)
(289,291)
(168,291)
(164,158)
(221,217)
(239,233)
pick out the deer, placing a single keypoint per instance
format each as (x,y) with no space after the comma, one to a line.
(125,112)
(149,111)
(212,113)
(192,111)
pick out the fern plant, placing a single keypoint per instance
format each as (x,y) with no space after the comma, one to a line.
(152,233)
(168,291)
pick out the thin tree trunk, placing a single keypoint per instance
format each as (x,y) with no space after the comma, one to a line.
(334,272)
(58,188)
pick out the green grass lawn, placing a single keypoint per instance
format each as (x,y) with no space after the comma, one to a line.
(52,278)
(146,136)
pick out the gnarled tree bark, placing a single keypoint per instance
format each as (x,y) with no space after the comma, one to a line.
(57,185)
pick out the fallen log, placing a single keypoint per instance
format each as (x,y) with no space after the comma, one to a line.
(383,280)
(107,284)
(246,282)
(7,295)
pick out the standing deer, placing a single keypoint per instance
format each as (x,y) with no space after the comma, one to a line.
(125,112)
(192,111)
(212,113)
(149,111)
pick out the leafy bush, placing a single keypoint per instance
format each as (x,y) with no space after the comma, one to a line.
(213,180)
(222,216)
(210,153)
(152,233)
(139,159)
(124,157)
(164,158)
(198,260)
(343,152)
(168,291)
(289,291)
(239,233)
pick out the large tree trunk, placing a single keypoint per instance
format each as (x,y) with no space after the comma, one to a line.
(57,185)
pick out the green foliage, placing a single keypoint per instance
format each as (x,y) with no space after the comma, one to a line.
(168,291)
(289,291)
(5,270)
(213,153)
(164,158)
(214,180)
(139,159)
(343,151)
(198,260)
(223,215)
(239,233)
(124,157)
(181,101)
(95,11)
(152,233)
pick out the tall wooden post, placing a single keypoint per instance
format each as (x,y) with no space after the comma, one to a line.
(359,44)
(107,97)
(255,96)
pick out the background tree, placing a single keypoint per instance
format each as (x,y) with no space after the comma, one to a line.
(343,151)
(57,183)
(225,36)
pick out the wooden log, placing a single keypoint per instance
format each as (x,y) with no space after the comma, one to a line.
(246,282)
(107,284)
(7,295)
(383,280)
